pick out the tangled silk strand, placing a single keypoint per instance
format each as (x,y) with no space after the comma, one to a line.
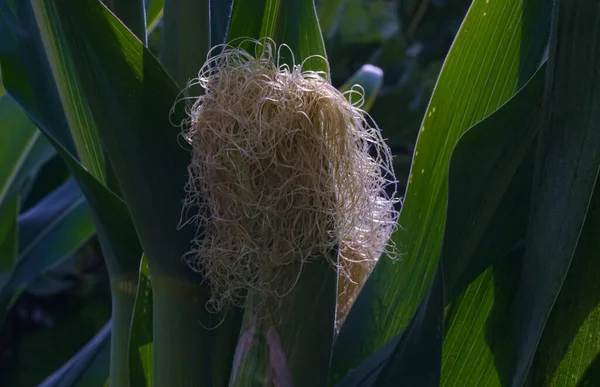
(284,169)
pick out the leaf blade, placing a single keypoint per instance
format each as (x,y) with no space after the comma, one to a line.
(138,116)
(185,38)
(79,116)
(568,162)
(461,98)
(154,15)
(278,20)
(490,169)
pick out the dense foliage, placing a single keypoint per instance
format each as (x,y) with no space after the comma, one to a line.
(493,122)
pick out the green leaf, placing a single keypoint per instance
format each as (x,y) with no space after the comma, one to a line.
(367,371)
(113,221)
(154,15)
(469,351)
(132,13)
(140,340)
(569,345)
(484,163)
(416,359)
(370,79)
(295,338)
(49,232)
(518,295)
(568,161)
(490,168)
(185,38)
(51,174)
(24,65)
(135,123)
(119,246)
(306,322)
(22,152)
(291,22)
(27,74)
(88,368)
(76,105)
(489,191)
(23,149)
(246,19)
(32,84)
(497,49)
(116,233)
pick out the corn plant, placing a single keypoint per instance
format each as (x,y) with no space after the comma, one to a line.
(245,207)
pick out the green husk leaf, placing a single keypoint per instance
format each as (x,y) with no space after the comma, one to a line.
(290,22)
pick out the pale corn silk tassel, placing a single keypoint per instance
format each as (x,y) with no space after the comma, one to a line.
(284,169)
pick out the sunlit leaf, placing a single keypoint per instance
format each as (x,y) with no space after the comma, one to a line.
(498,48)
